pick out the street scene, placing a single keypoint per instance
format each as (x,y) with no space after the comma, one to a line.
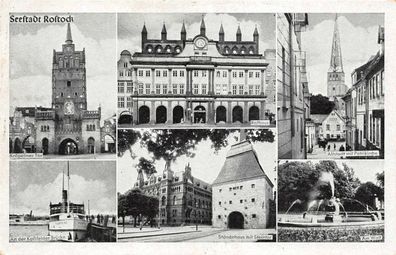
(202,70)
(333,105)
(331,201)
(196,185)
(70,118)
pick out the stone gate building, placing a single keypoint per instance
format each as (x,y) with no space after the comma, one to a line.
(67,127)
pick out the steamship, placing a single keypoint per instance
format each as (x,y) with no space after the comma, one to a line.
(67,220)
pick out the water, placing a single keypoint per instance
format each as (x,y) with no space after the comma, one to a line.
(29,233)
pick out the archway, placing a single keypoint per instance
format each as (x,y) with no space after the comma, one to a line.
(91,145)
(144,115)
(221,114)
(199,114)
(125,118)
(109,145)
(68,147)
(235,220)
(237,114)
(17,145)
(160,114)
(44,145)
(28,144)
(254,113)
(178,114)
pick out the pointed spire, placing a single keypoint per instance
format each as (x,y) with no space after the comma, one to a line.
(163,32)
(69,39)
(144,30)
(183,30)
(221,29)
(239,34)
(183,33)
(255,31)
(203,28)
(336,56)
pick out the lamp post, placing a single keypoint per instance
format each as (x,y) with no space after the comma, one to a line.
(123,222)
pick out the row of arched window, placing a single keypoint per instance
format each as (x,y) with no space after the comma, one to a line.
(91,127)
(45,128)
(167,49)
(239,51)
(69,62)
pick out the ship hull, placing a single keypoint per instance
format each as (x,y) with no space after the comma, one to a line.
(72,229)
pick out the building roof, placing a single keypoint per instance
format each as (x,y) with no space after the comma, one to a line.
(241,163)
(318,118)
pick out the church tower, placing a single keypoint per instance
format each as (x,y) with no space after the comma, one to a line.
(335,76)
(68,81)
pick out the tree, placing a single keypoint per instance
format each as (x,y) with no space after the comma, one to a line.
(367,192)
(169,144)
(381,179)
(147,166)
(306,182)
(321,105)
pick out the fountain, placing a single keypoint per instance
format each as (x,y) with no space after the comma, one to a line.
(334,213)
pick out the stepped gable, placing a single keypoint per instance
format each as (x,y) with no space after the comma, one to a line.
(241,163)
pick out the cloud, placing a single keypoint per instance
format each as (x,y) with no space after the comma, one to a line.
(38,197)
(31,67)
(358,44)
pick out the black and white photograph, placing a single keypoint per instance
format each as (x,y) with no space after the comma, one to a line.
(62,201)
(331,86)
(196,185)
(62,98)
(331,201)
(190,69)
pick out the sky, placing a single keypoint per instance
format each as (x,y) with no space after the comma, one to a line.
(130,27)
(34,184)
(358,33)
(31,51)
(365,170)
(206,165)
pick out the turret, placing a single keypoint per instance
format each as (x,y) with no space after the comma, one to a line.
(183,33)
(239,34)
(221,34)
(256,35)
(144,35)
(163,33)
(203,28)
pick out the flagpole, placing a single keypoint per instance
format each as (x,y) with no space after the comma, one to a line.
(68,188)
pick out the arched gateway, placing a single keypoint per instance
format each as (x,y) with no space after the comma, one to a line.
(235,220)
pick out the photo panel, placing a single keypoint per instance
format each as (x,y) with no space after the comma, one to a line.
(196,70)
(330,84)
(196,185)
(62,201)
(62,97)
(331,201)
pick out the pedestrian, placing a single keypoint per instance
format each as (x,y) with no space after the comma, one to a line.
(328,147)
(141,224)
(335,147)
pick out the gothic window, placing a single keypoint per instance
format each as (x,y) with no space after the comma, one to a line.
(174,200)
(149,48)
(125,64)
(218,74)
(177,49)
(226,50)
(168,49)
(158,49)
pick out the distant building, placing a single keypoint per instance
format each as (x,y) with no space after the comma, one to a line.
(183,198)
(333,127)
(194,80)
(67,127)
(365,103)
(291,78)
(242,192)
